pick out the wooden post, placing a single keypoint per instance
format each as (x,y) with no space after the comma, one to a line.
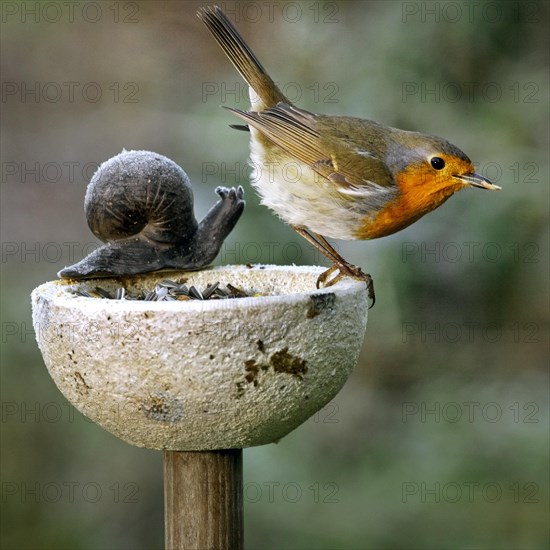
(203,500)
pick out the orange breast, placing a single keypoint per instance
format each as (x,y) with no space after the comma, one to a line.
(419,194)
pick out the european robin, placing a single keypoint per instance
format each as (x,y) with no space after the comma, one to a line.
(350,178)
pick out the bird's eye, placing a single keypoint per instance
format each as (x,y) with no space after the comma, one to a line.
(438,163)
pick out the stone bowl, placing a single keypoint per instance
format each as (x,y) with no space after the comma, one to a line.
(202,375)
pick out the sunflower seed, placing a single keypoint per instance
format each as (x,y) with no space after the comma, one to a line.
(167,283)
(221,293)
(236,292)
(209,290)
(180,290)
(102,292)
(195,293)
(150,296)
(84,293)
(161,292)
(120,292)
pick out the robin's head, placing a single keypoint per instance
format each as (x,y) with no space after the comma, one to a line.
(433,167)
(427,170)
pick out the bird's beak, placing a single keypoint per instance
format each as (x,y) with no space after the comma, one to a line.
(477,181)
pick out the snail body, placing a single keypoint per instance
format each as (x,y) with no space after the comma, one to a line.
(140,204)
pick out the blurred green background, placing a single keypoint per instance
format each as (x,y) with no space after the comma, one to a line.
(440,437)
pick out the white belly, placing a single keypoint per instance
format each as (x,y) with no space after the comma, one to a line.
(300,196)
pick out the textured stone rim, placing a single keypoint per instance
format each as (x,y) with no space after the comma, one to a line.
(278,290)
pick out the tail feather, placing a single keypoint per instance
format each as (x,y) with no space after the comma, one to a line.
(242,57)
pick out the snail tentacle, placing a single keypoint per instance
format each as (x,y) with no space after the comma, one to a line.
(218,223)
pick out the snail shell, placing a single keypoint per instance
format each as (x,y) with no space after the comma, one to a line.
(141,205)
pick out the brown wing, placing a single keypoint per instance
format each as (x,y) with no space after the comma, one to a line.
(300,133)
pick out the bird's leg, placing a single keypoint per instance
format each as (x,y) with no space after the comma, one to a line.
(345,269)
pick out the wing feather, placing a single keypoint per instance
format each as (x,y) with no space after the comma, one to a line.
(353,170)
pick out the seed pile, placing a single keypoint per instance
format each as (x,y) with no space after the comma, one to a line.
(167,291)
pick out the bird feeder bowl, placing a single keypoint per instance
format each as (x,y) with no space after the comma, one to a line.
(201,375)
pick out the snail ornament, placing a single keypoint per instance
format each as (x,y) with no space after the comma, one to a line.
(140,204)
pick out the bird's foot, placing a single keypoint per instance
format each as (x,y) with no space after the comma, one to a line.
(346,270)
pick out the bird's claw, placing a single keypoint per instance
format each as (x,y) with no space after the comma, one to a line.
(347,270)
